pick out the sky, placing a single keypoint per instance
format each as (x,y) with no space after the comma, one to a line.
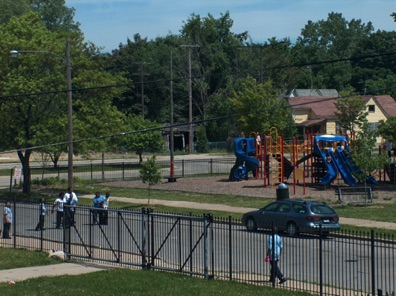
(108,23)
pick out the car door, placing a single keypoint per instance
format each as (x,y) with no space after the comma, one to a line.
(264,220)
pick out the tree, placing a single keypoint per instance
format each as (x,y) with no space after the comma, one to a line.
(351,112)
(387,129)
(10,8)
(36,118)
(363,154)
(257,108)
(143,135)
(332,39)
(150,173)
(202,140)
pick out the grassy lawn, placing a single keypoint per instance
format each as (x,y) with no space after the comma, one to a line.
(14,258)
(116,281)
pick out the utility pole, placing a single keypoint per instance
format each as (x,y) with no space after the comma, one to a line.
(141,74)
(190,130)
(171,135)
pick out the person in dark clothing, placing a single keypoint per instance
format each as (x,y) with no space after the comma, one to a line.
(7,220)
(42,213)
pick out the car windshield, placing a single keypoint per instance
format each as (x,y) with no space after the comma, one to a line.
(322,210)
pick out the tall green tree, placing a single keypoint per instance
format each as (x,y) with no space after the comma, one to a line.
(142,135)
(258,109)
(36,118)
(332,39)
(363,152)
(351,112)
(10,8)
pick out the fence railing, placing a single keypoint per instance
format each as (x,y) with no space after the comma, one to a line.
(342,263)
(130,170)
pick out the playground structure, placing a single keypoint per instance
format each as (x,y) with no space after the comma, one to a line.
(316,159)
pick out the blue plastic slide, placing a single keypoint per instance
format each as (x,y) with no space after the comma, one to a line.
(342,165)
(332,169)
(244,151)
(352,167)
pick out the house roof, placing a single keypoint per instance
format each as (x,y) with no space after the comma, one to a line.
(313,93)
(322,106)
(386,103)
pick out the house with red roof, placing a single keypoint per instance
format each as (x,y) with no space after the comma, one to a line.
(314,112)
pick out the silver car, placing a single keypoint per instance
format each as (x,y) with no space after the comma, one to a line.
(293,217)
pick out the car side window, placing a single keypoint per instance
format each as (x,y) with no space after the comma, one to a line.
(284,208)
(300,209)
(271,207)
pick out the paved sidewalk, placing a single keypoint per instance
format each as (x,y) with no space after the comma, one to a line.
(24,273)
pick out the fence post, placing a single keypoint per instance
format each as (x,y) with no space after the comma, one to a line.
(207,220)
(118,234)
(144,238)
(183,168)
(372,262)
(91,171)
(230,247)
(211,166)
(320,260)
(123,171)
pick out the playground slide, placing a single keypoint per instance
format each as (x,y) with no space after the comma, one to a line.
(342,164)
(244,151)
(353,168)
(332,169)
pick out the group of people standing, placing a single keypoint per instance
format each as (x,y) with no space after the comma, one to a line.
(69,198)
(63,214)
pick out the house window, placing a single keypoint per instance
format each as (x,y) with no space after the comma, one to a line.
(371,108)
(373,126)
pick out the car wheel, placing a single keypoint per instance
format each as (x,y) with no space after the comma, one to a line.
(292,229)
(251,224)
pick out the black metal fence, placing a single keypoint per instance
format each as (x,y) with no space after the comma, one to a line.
(343,263)
(127,170)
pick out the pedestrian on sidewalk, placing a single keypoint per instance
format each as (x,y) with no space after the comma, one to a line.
(7,220)
(71,201)
(42,213)
(97,208)
(106,202)
(58,203)
(274,250)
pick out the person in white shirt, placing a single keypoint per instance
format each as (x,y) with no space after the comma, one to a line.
(105,207)
(58,203)
(71,201)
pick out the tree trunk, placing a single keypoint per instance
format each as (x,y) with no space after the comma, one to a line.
(25,161)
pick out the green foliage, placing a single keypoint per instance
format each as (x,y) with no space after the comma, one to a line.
(363,154)
(143,136)
(258,109)
(387,129)
(150,173)
(202,140)
(351,112)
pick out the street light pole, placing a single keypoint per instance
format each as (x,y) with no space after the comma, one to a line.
(14,53)
(190,130)
(69,117)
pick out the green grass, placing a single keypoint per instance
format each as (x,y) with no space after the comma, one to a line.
(14,258)
(117,281)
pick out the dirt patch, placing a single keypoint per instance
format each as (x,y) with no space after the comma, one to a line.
(252,187)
